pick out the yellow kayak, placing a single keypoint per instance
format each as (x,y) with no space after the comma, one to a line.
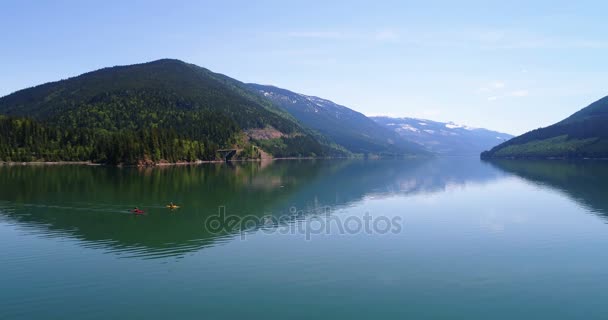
(172,207)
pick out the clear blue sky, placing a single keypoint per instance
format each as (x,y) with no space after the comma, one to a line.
(507,65)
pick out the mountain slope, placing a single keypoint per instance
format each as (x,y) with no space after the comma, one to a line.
(346,127)
(168,95)
(444,138)
(582,135)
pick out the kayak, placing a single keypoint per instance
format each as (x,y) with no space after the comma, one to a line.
(137,211)
(172,207)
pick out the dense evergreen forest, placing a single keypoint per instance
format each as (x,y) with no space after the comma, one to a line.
(25,140)
(165,110)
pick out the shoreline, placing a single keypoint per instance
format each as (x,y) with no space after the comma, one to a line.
(94,164)
(542,158)
(160,164)
(49,163)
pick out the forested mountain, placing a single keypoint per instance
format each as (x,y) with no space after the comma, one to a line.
(582,135)
(444,138)
(126,113)
(346,127)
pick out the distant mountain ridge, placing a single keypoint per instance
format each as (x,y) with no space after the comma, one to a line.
(445,138)
(346,127)
(185,87)
(582,135)
(172,111)
(165,98)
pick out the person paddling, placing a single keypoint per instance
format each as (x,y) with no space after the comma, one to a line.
(136,210)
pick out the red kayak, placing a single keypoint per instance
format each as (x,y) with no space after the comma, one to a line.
(137,211)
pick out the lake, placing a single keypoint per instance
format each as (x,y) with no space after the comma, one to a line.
(444,238)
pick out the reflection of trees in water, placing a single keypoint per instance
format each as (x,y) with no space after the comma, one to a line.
(91,203)
(585,181)
(357,179)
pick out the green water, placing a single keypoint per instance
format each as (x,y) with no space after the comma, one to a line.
(468,240)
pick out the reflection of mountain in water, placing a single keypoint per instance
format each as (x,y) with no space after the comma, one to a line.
(585,181)
(344,183)
(92,203)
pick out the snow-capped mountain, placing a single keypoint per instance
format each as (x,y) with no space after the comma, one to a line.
(444,138)
(343,126)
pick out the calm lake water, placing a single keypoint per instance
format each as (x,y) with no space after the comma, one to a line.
(466,240)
